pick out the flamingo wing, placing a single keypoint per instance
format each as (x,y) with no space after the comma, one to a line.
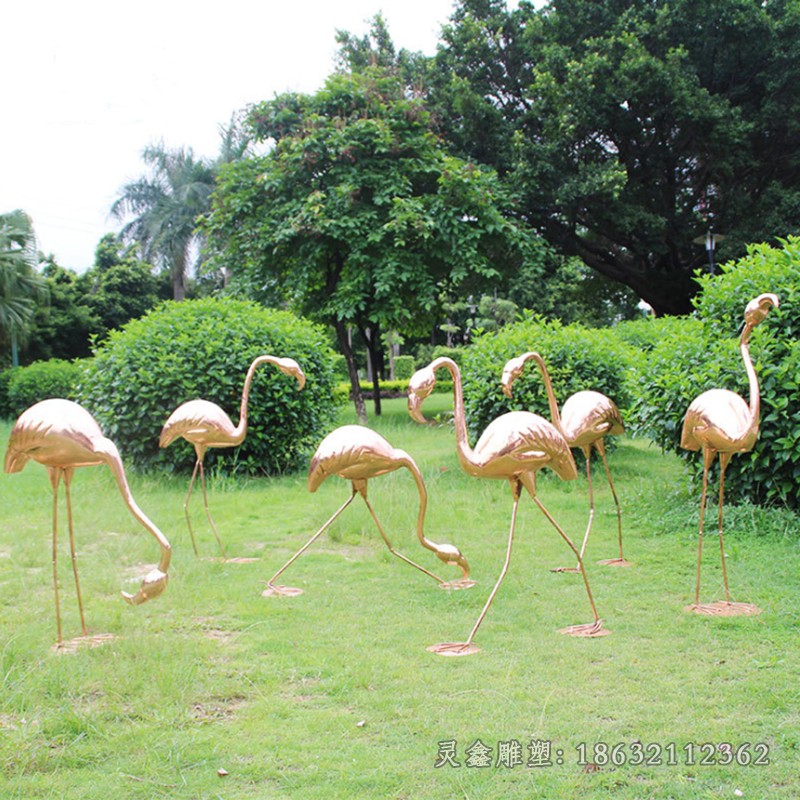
(588,416)
(718,419)
(199,422)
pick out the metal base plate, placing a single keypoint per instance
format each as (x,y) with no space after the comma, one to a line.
(71,646)
(454,649)
(588,630)
(461,583)
(281,591)
(615,562)
(723,609)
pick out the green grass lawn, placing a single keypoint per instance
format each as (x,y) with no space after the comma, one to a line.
(333,694)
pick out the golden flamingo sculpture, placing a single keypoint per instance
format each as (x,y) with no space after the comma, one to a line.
(61,435)
(719,421)
(205,425)
(514,447)
(585,420)
(357,454)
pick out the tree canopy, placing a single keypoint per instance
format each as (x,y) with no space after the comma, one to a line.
(630,128)
(357,215)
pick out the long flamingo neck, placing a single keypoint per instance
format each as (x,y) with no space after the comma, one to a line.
(241,429)
(555,415)
(462,439)
(752,378)
(411,466)
(112,458)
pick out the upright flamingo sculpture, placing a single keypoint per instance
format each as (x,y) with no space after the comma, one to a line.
(357,454)
(719,421)
(514,447)
(61,435)
(205,425)
(585,420)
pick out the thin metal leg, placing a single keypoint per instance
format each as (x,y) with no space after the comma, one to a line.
(208,513)
(67,481)
(392,550)
(707,460)
(620,561)
(55,476)
(723,463)
(590,629)
(272,590)
(186,504)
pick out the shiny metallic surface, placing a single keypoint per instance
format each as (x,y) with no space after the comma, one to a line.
(513,447)
(585,420)
(721,422)
(205,425)
(61,435)
(357,454)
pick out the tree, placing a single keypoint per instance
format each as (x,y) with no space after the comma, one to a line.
(357,215)
(21,287)
(166,207)
(630,128)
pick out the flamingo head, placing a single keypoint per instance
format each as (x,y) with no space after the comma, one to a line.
(288,366)
(152,585)
(511,371)
(757,309)
(451,555)
(419,387)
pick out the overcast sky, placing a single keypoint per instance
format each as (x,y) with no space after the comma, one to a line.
(87,85)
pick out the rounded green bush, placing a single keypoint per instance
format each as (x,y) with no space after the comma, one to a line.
(41,381)
(577,358)
(202,349)
(403,367)
(703,353)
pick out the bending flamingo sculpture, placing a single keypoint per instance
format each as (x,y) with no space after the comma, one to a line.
(585,420)
(719,421)
(357,454)
(205,425)
(514,447)
(61,435)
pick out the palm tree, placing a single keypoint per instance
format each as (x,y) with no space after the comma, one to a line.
(165,208)
(21,287)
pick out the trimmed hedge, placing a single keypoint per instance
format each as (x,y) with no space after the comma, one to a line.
(202,348)
(703,354)
(40,381)
(576,357)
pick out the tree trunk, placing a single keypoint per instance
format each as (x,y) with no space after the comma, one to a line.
(374,352)
(352,371)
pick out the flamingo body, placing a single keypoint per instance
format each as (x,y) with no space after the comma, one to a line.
(61,435)
(719,420)
(205,425)
(588,416)
(519,442)
(202,423)
(357,454)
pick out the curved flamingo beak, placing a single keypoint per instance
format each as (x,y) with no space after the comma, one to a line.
(511,371)
(452,556)
(152,586)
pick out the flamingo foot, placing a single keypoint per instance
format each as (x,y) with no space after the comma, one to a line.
(588,630)
(615,562)
(461,583)
(71,646)
(274,590)
(565,569)
(724,609)
(454,649)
